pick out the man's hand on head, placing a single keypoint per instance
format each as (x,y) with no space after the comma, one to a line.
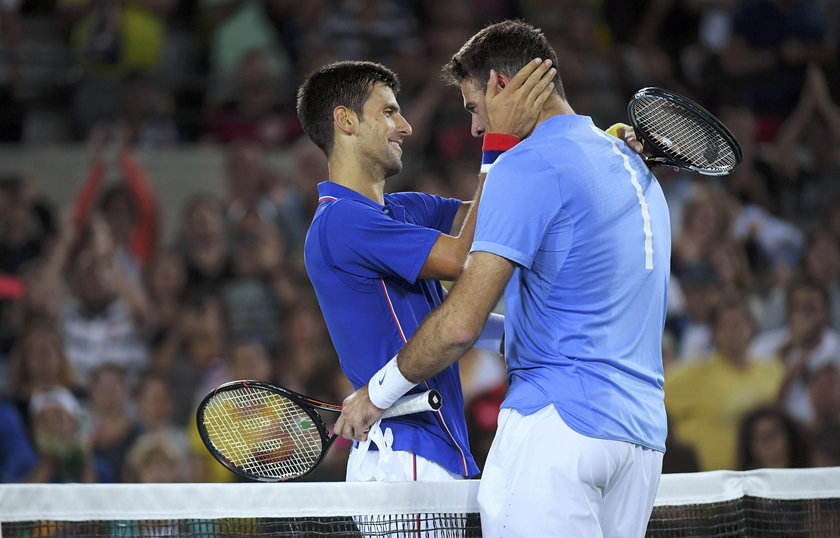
(513,108)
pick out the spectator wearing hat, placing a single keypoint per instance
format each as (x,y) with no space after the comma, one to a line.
(64,455)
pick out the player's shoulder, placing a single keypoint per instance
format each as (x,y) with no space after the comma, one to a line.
(522,160)
(344,211)
(408,198)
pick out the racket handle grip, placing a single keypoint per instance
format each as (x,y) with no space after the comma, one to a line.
(431,400)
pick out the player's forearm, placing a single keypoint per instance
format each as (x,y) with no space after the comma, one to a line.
(440,341)
(466,231)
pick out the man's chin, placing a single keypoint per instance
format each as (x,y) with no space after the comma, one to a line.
(393,170)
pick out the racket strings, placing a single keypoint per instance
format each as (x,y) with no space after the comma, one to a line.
(263,433)
(689,138)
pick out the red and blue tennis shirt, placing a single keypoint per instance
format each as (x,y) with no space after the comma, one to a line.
(364,259)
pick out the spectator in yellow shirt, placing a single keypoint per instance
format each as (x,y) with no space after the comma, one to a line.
(706,399)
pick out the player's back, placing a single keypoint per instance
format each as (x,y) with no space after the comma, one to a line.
(587,315)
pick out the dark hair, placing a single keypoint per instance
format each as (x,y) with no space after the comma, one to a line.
(347,83)
(798,451)
(505,47)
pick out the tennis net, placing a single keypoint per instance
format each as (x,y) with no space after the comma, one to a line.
(722,504)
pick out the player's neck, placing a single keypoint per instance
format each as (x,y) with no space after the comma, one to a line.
(555,106)
(349,172)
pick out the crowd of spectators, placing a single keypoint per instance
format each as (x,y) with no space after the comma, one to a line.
(110,333)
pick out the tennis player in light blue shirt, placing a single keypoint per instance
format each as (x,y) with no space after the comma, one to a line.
(574,230)
(586,225)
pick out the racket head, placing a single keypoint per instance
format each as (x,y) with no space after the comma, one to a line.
(262,432)
(682,133)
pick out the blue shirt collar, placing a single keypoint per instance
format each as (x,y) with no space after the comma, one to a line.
(328,189)
(563,120)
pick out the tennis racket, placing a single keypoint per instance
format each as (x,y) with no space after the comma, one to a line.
(271,434)
(681,133)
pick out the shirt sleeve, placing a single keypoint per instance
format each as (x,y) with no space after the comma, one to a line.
(429,210)
(520,201)
(365,242)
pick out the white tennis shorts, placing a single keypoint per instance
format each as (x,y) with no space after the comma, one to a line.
(544,479)
(386,465)
(401,466)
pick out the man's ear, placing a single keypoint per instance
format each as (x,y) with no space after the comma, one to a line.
(502,80)
(345,120)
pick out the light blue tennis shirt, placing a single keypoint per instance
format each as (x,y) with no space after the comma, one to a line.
(587,226)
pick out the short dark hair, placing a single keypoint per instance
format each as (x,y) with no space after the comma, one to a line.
(504,47)
(347,83)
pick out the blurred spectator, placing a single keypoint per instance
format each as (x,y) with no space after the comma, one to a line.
(113,425)
(129,207)
(166,281)
(39,363)
(588,75)
(154,459)
(204,243)
(26,226)
(64,452)
(804,153)
(253,311)
(821,262)
(372,29)
(251,109)
(17,457)
(155,401)
(145,113)
(701,289)
(193,352)
(249,360)
(705,220)
(706,399)
(111,39)
(806,343)
(104,318)
(251,182)
(26,222)
(306,352)
(239,27)
(772,42)
(754,182)
(769,439)
(824,395)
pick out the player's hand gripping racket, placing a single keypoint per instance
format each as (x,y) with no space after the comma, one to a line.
(271,434)
(681,133)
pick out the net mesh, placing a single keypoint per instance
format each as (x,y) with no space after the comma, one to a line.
(683,135)
(438,525)
(797,503)
(262,433)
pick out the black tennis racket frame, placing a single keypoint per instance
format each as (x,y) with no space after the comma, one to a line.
(685,103)
(307,404)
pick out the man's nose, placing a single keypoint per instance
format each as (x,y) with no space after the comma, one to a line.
(477,127)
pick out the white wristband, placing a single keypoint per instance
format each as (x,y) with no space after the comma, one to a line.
(492,334)
(388,385)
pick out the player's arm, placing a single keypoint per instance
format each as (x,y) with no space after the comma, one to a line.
(511,108)
(443,337)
